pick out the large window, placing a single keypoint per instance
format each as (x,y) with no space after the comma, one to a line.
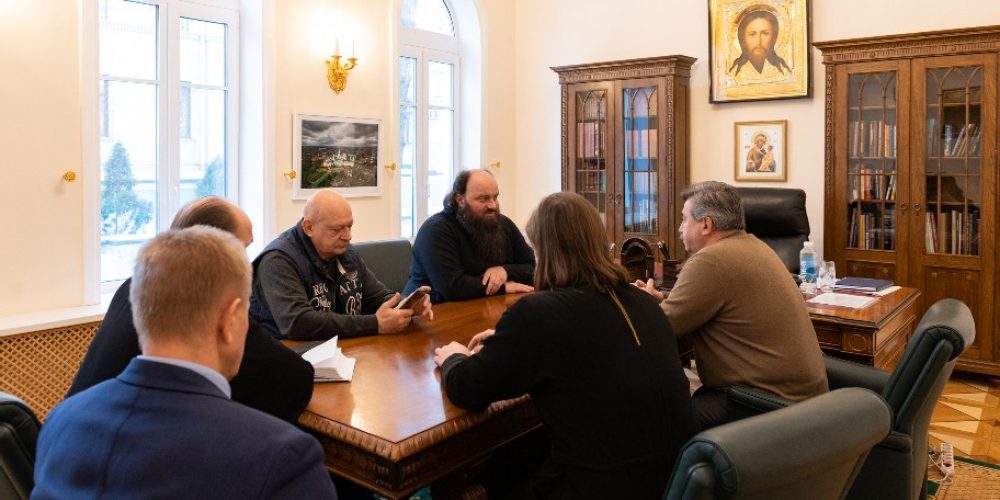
(168,115)
(428,109)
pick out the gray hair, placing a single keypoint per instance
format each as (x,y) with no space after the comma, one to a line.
(717,200)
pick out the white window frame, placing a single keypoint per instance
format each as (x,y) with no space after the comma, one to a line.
(427,47)
(168,82)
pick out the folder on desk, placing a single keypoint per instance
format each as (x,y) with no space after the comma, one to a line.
(861,284)
(330,363)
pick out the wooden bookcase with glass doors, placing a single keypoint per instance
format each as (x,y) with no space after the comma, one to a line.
(625,144)
(911,168)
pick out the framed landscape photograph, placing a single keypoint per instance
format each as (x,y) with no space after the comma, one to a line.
(338,153)
(758,49)
(761,151)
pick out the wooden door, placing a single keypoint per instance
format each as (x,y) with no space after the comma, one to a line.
(640,200)
(870,170)
(591,149)
(953,186)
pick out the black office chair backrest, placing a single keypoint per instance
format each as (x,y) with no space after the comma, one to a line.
(18,436)
(388,259)
(810,450)
(944,332)
(777,216)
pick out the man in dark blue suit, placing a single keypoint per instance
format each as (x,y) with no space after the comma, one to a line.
(165,427)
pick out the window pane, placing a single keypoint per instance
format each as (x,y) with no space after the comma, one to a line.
(440,155)
(440,83)
(128,39)
(429,15)
(203,52)
(408,162)
(407,144)
(128,176)
(407,80)
(203,156)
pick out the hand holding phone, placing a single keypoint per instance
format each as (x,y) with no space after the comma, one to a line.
(413,298)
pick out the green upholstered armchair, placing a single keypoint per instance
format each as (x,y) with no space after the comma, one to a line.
(810,450)
(18,436)
(897,466)
(388,259)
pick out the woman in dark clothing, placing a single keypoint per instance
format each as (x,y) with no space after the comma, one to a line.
(597,357)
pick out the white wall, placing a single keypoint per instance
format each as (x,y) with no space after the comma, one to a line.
(561,32)
(41,256)
(301,87)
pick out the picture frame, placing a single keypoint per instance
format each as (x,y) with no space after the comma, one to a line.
(761,150)
(336,152)
(748,61)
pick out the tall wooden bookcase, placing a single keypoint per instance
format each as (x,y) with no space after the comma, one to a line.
(625,144)
(911,168)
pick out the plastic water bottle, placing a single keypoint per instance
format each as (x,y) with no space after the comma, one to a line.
(807,268)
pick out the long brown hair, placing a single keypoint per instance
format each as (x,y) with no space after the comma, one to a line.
(571,247)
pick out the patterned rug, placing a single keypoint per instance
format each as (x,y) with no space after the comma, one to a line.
(973,480)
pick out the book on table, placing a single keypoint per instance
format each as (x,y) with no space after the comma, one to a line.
(861,284)
(330,363)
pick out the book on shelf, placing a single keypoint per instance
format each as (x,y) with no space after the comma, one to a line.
(330,363)
(873,138)
(861,284)
(929,233)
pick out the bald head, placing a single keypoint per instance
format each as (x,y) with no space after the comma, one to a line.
(215,212)
(327,220)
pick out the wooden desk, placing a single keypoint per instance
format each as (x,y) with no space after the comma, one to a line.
(392,429)
(875,335)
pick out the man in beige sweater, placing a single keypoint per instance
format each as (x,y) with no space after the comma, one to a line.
(746,318)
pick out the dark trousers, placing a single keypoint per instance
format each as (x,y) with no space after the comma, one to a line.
(710,408)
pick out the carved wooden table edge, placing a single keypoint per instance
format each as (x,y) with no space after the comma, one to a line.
(398,469)
(834,314)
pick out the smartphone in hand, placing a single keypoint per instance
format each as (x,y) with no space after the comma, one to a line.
(413,298)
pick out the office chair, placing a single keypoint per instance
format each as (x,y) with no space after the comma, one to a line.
(810,450)
(777,216)
(389,260)
(18,436)
(897,466)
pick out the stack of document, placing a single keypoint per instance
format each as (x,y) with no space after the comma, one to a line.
(861,285)
(841,300)
(330,363)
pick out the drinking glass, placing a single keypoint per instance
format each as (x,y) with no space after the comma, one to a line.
(827,276)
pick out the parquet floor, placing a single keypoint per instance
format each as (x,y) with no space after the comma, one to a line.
(968,416)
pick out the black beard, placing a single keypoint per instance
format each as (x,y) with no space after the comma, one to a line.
(487,234)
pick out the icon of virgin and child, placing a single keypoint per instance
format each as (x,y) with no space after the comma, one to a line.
(760,158)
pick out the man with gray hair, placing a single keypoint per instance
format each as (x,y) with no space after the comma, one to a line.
(170,411)
(745,316)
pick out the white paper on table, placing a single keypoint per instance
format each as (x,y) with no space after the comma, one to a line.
(330,363)
(842,300)
(886,291)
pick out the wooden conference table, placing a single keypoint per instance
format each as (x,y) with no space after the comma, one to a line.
(392,429)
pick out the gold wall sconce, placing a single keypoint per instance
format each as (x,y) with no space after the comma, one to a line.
(69,176)
(291,174)
(390,166)
(336,72)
